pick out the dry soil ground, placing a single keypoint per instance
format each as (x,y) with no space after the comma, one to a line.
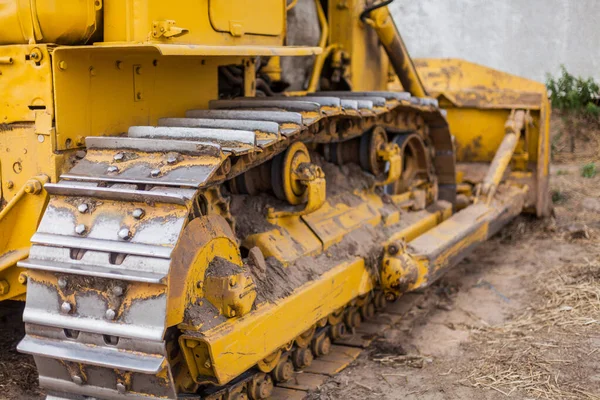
(520,318)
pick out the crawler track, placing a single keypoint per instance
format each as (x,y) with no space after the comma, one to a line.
(101,316)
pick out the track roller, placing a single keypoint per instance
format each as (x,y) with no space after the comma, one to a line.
(352,317)
(321,344)
(261,387)
(284,370)
(302,357)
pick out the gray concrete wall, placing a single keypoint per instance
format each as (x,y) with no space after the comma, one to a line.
(524,37)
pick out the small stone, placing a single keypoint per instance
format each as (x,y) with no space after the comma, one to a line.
(578,231)
(119,157)
(124,234)
(62,283)
(121,388)
(110,314)
(80,154)
(66,307)
(77,379)
(80,229)
(83,208)
(155,172)
(172,158)
(257,261)
(112,169)
(138,213)
(117,290)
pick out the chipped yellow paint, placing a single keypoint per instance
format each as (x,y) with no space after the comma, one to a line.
(18,221)
(232,350)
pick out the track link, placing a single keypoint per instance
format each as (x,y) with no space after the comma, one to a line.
(98,315)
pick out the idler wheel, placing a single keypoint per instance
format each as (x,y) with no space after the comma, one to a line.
(370,144)
(285,183)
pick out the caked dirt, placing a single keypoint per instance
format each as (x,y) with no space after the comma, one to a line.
(519,318)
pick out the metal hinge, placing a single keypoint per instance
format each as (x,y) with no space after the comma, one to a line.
(167,29)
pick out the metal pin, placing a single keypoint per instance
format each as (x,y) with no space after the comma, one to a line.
(138,213)
(119,157)
(112,169)
(83,208)
(80,229)
(110,314)
(124,234)
(155,172)
(62,283)
(65,307)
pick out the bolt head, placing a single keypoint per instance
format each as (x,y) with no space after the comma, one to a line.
(23,278)
(138,213)
(172,158)
(62,282)
(10,184)
(393,249)
(110,314)
(112,169)
(4,287)
(155,172)
(124,234)
(117,290)
(66,307)
(80,229)
(82,208)
(33,187)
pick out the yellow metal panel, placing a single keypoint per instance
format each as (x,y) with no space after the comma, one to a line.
(369,64)
(473,85)
(290,241)
(134,21)
(239,17)
(105,91)
(18,222)
(332,223)
(26,81)
(233,350)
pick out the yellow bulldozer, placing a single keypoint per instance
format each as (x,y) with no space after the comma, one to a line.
(182,223)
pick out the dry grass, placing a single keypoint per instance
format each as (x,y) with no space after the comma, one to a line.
(527,354)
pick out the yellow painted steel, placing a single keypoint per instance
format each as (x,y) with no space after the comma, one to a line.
(369,66)
(220,22)
(38,21)
(154,59)
(230,350)
(18,222)
(478,101)
(382,22)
